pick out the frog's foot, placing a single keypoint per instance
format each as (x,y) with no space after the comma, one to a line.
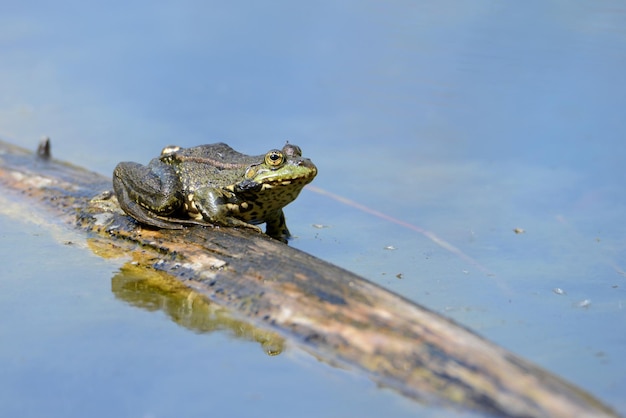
(238,223)
(276,227)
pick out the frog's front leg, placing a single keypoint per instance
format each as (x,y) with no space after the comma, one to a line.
(148,193)
(276,227)
(218,207)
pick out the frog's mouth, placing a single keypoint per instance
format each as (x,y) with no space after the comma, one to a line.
(300,172)
(298,182)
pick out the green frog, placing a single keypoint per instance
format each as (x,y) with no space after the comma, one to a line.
(214,185)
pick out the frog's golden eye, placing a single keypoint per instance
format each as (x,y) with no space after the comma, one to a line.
(274,158)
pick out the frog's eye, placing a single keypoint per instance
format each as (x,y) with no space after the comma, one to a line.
(274,158)
(292,151)
(170,149)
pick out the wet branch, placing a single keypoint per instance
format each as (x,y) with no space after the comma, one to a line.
(330,312)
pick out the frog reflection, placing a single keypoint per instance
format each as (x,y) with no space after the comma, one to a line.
(156,291)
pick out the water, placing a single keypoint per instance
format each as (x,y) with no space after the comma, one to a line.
(463,120)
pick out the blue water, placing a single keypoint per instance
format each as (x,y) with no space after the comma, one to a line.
(461,120)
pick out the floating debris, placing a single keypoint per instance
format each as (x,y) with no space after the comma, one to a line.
(559,291)
(320,226)
(585,303)
(399,275)
(390,247)
(519,230)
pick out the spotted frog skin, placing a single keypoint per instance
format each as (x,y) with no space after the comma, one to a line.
(214,185)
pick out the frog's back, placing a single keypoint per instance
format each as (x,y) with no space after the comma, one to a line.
(220,155)
(217,165)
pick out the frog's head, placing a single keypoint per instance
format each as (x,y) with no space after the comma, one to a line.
(281,175)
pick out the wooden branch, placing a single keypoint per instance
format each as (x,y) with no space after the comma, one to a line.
(334,314)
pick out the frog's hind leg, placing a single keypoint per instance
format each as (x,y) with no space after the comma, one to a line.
(148,193)
(142,215)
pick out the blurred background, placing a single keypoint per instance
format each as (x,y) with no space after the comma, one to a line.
(481,144)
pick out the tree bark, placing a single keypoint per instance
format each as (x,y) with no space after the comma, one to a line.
(330,312)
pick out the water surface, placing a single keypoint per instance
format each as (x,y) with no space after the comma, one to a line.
(463,120)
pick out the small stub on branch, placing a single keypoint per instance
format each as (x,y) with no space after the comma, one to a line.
(43,150)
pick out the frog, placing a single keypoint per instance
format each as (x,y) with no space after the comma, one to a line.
(214,185)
